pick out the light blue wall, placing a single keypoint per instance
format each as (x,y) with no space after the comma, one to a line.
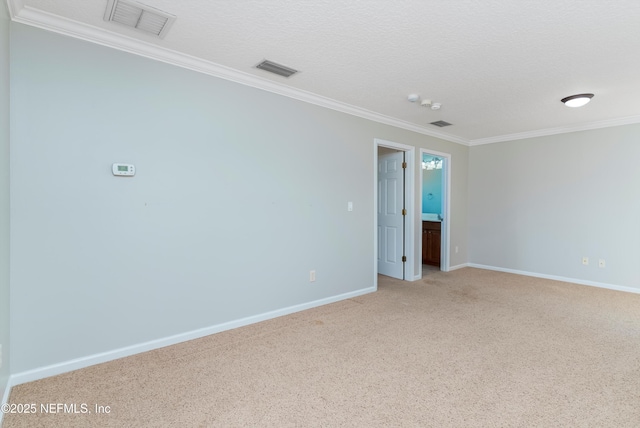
(238,194)
(540,205)
(432,185)
(4,196)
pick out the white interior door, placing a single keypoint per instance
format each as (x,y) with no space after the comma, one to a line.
(390,218)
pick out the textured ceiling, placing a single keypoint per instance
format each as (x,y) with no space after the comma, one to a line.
(499,67)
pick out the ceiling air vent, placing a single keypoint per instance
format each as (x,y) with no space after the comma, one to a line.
(440,123)
(139,16)
(278,69)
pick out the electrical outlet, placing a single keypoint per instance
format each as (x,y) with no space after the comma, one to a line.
(312,276)
(602,263)
(585,261)
(456,249)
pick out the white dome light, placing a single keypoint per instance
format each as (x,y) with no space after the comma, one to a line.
(577,100)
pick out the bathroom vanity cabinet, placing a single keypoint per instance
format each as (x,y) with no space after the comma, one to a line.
(431,242)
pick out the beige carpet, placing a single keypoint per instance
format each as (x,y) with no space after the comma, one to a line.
(469,348)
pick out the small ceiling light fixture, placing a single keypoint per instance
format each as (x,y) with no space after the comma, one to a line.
(577,100)
(425,102)
(431,104)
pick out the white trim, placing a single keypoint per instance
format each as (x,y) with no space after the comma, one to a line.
(410,205)
(409,185)
(559,278)
(79,363)
(5,397)
(460,266)
(447,217)
(446,204)
(375,214)
(47,21)
(37,18)
(14,6)
(554,131)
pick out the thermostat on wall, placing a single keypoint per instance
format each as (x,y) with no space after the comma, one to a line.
(123,169)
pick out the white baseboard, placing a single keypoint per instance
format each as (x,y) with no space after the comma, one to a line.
(558,278)
(456,267)
(90,360)
(418,277)
(5,397)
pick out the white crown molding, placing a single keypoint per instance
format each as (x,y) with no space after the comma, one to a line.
(34,17)
(47,21)
(14,7)
(553,131)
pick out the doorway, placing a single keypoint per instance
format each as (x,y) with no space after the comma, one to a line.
(435,197)
(394,240)
(391,212)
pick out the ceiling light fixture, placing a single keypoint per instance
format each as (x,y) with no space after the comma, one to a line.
(424,103)
(577,100)
(431,104)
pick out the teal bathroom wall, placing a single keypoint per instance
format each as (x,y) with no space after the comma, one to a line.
(431,189)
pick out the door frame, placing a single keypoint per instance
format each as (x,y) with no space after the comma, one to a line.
(446,205)
(409,198)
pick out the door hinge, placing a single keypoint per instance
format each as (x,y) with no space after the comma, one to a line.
(404,165)
(404,211)
(404,259)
